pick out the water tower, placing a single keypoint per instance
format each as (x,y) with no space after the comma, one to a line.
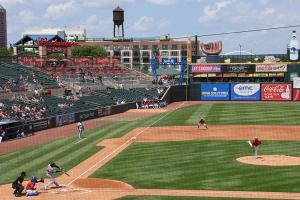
(118,19)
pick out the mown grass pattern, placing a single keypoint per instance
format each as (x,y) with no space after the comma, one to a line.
(239,114)
(64,152)
(208,165)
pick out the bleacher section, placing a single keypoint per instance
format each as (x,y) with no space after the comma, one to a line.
(97,99)
(11,72)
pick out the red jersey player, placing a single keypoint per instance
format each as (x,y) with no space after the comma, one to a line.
(202,122)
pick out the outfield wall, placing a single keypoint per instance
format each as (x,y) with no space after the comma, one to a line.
(244,92)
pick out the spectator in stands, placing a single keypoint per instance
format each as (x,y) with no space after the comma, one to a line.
(19,133)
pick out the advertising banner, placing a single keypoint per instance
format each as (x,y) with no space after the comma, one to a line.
(217,91)
(271,68)
(276,92)
(245,92)
(65,119)
(238,69)
(40,124)
(91,114)
(206,68)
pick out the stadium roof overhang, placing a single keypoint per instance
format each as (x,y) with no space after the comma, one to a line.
(36,38)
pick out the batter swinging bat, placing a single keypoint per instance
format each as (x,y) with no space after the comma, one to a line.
(249,142)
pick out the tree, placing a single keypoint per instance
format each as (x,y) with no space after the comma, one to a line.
(58,56)
(28,53)
(89,51)
(5,53)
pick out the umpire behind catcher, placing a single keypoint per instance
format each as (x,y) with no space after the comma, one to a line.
(17,184)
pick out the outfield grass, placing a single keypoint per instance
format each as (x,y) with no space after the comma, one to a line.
(67,154)
(177,198)
(231,114)
(208,165)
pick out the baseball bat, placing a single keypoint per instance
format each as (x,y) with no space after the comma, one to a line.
(63,171)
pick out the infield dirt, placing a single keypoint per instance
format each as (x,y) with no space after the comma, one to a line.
(79,186)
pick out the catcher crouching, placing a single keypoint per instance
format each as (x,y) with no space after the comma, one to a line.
(30,187)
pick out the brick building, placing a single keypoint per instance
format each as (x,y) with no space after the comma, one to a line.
(3,28)
(137,53)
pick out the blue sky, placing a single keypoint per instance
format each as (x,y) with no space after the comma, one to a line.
(145,18)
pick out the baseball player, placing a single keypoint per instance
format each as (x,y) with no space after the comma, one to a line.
(51,169)
(202,122)
(255,146)
(30,187)
(17,185)
(80,128)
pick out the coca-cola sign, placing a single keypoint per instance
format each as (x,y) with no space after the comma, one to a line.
(276,92)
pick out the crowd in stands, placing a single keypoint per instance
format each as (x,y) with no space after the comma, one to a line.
(23,108)
(147,104)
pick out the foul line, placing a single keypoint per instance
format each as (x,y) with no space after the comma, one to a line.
(146,128)
(79,141)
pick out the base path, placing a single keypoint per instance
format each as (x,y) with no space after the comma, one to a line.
(79,186)
(48,135)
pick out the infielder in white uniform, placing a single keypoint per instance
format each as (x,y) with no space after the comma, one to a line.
(80,129)
(51,169)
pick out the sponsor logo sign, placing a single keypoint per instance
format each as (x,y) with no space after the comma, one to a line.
(206,69)
(245,91)
(65,119)
(271,68)
(40,124)
(238,69)
(276,92)
(169,61)
(216,91)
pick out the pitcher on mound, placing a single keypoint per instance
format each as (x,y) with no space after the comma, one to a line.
(202,122)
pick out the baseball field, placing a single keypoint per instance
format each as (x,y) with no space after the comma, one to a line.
(161,154)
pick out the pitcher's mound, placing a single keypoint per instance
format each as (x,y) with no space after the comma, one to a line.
(101,184)
(271,160)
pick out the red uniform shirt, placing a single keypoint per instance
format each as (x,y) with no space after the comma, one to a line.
(256,142)
(201,121)
(30,186)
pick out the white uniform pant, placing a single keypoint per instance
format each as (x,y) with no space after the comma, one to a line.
(255,149)
(52,181)
(31,193)
(0,139)
(80,133)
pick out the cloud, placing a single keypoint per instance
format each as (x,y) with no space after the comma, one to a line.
(105,3)
(11,1)
(143,24)
(162,2)
(211,13)
(26,16)
(164,23)
(93,25)
(264,2)
(55,11)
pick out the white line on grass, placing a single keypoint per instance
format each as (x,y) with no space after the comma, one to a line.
(79,141)
(168,113)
